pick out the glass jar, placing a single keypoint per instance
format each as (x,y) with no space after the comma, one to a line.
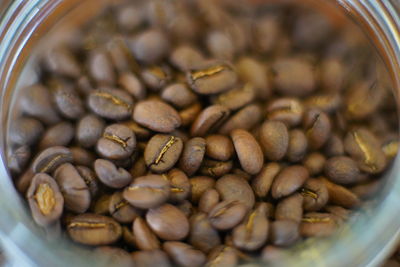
(365,241)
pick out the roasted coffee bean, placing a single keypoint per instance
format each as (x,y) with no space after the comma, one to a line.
(242,173)
(100,67)
(315,195)
(200,184)
(186,207)
(274,139)
(334,146)
(184,254)
(298,145)
(61,60)
(168,222)
(180,185)
(121,210)
(90,179)
(254,72)
(82,156)
(332,74)
(328,103)
(271,254)
(89,130)
(236,98)
(248,151)
(45,199)
(314,163)
(316,224)
(290,208)
(148,258)
(93,230)
(162,152)
(364,147)
(219,147)
(339,212)
(144,236)
(132,85)
(111,175)
(157,116)
(178,95)
(113,104)
(49,159)
(288,181)
(222,256)
(227,214)
(341,196)
(140,132)
(317,127)
(367,190)
(287,110)
(220,45)
(147,191)
(36,102)
(150,46)
(59,134)
(25,131)
(189,114)
(245,119)
(128,237)
(185,57)
(24,180)
(294,77)
(252,233)
(19,158)
(261,184)
(192,155)
(234,188)
(101,206)
(209,120)
(211,78)
(342,170)
(202,235)
(73,188)
(208,200)
(215,168)
(156,77)
(114,255)
(67,100)
(284,233)
(117,142)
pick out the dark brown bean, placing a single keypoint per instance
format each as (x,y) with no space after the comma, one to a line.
(186,207)
(82,156)
(208,200)
(189,114)
(186,57)
(334,146)
(202,235)
(93,230)
(178,95)
(284,233)
(328,103)
(200,184)
(317,126)
(289,180)
(59,134)
(162,152)
(315,163)
(67,100)
(49,159)
(113,104)
(45,199)
(62,61)
(215,168)
(274,139)
(144,236)
(100,67)
(128,237)
(90,179)
(227,214)
(339,212)
(114,255)
(219,147)
(271,254)
(222,256)
(180,185)
(316,224)
(342,170)
(89,130)
(367,190)
(121,210)
(150,46)
(315,195)
(101,206)
(341,196)
(151,258)
(236,98)
(18,159)
(156,77)
(234,188)
(246,118)
(192,155)
(132,85)
(297,145)
(209,120)
(261,184)
(111,175)
(287,110)
(25,131)
(117,142)
(184,255)
(290,208)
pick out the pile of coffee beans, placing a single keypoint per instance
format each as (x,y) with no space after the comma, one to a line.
(203,132)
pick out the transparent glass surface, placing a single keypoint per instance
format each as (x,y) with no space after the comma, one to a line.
(365,241)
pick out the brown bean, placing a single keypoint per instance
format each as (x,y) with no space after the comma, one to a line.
(208,200)
(121,210)
(314,163)
(339,195)
(317,225)
(111,175)
(49,159)
(245,118)
(192,155)
(290,208)
(261,184)
(222,256)
(334,146)
(148,258)
(144,237)
(284,233)
(234,188)
(297,145)
(342,170)
(219,147)
(215,168)
(184,255)
(178,95)
(180,185)
(289,180)
(132,85)
(317,126)
(113,255)
(189,114)
(202,235)
(236,98)
(274,139)
(200,184)
(227,214)
(287,110)
(209,120)
(315,195)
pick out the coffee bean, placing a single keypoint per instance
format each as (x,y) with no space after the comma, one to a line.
(192,155)
(114,255)
(93,230)
(334,146)
(328,103)
(294,77)
(151,258)
(248,151)
(129,17)
(189,114)
(317,225)
(298,145)
(156,77)
(315,195)
(162,152)
(117,142)
(271,254)
(25,131)
(252,233)
(121,210)
(144,236)
(59,134)
(209,120)
(100,67)
(314,163)
(234,188)
(168,222)
(101,206)
(178,95)
(220,45)
(284,233)
(274,139)
(367,190)
(67,100)
(36,102)
(202,235)
(89,130)
(128,237)
(261,184)
(287,110)
(150,46)
(289,180)
(49,159)
(339,212)
(184,254)
(19,158)
(364,147)
(186,207)
(200,184)
(73,188)
(147,191)
(45,199)
(90,179)
(290,208)
(132,85)
(215,168)
(180,185)
(62,61)
(245,119)
(157,116)
(82,156)
(227,214)
(211,78)
(342,170)
(332,74)
(317,127)
(208,200)
(113,104)
(236,98)
(222,256)
(219,147)
(111,175)
(185,57)
(341,196)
